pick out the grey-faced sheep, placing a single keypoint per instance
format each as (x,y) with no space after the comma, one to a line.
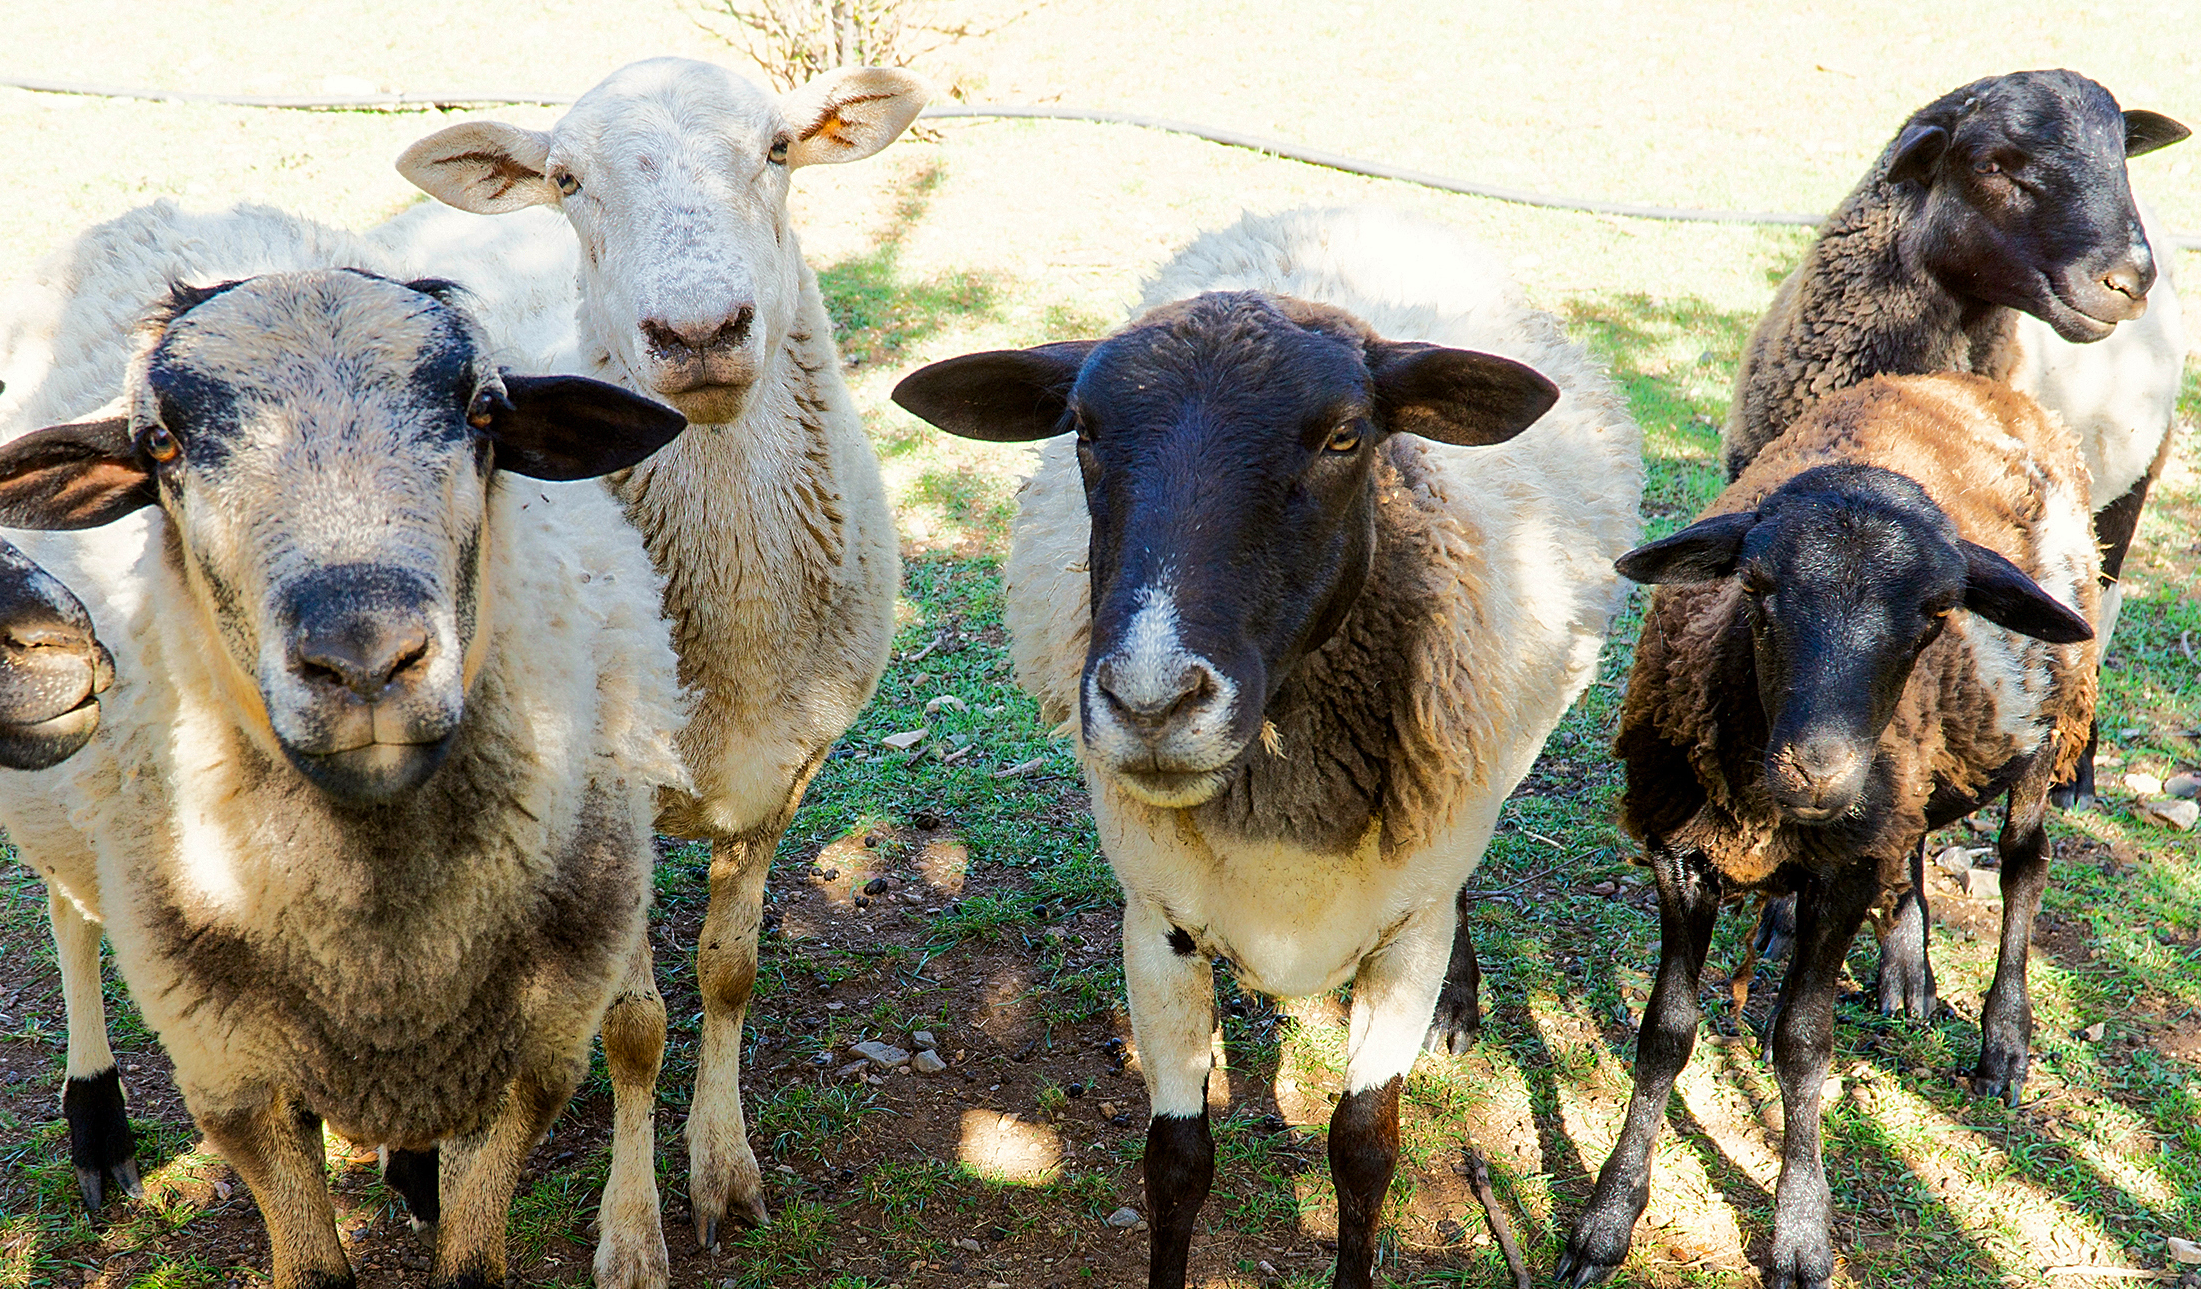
(366,821)
(769,522)
(1313,599)
(2004,199)
(52,666)
(1876,630)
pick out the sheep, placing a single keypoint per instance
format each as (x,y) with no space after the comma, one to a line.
(770,522)
(366,819)
(52,667)
(1311,615)
(1807,703)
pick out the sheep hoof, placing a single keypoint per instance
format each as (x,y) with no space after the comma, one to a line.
(126,1178)
(1454,1027)
(1576,1270)
(2071,796)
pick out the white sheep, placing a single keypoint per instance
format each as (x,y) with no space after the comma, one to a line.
(1308,647)
(366,818)
(769,522)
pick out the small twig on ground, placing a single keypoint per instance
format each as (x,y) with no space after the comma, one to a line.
(2113,1273)
(1479,1171)
(1021,768)
(2185,642)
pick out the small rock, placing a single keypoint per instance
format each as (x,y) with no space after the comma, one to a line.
(2144,785)
(969,1245)
(1267,1268)
(2130,731)
(946,702)
(1956,861)
(2185,787)
(2185,1251)
(834,1007)
(905,740)
(2093,1033)
(927,1062)
(1983,884)
(1124,1218)
(924,1039)
(2172,813)
(1605,888)
(878,886)
(884,1055)
(851,1069)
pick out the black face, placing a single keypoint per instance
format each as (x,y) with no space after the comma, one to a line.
(52,668)
(1227,444)
(1848,573)
(2026,200)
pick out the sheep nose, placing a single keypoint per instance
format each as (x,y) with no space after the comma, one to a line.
(1149,696)
(2132,276)
(364,652)
(1818,776)
(676,339)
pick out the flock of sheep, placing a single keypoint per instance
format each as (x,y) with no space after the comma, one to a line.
(351,741)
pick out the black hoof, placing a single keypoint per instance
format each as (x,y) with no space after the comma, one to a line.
(1777,928)
(1577,1271)
(2071,796)
(101,1145)
(1906,993)
(1458,1019)
(412,1174)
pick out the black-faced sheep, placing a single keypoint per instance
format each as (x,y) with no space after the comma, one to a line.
(1880,627)
(1311,630)
(52,667)
(366,819)
(769,523)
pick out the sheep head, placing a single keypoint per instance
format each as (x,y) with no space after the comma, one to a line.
(674,175)
(1847,573)
(2025,201)
(1228,444)
(324,448)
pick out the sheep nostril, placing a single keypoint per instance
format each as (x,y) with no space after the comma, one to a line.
(2130,280)
(735,331)
(666,341)
(363,656)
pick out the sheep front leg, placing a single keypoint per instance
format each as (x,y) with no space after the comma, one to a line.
(1829,913)
(276,1147)
(1393,992)
(723,1180)
(1459,1010)
(2006,1019)
(1172,993)
(101,1145)
(630,1245)
(1688,908)
(480,1172)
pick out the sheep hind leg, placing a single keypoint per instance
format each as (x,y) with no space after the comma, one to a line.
(723,1179)
(478,1175)
(630,1246)
(2114,526)
(101,1145)
(1689,907)
(1459,1012)
(276,1147)
(2006,1018)
(1906,973)
(1393,991)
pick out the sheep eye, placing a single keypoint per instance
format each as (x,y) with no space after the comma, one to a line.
(1986,168)
(162,445)
(567,184)
(482,410)
(778,154)
(1345,438)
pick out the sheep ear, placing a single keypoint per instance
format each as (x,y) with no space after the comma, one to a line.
(2146,131)
(67,477)
(486,167)
(1455,396)
(2000,592)
(1917,152)
(571,427)
(849,114)
(1705,551)
(1002,396)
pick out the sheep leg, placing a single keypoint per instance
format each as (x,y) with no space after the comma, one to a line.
(276,1147)
(1688,908)
(1459,1004)
(480,1172)
(630,1245)
(412,1174)
(1393,991)
(2006,1019)
(1829,913)
(1172,994)
(1906,974)
(2114,527)
(100,1142)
